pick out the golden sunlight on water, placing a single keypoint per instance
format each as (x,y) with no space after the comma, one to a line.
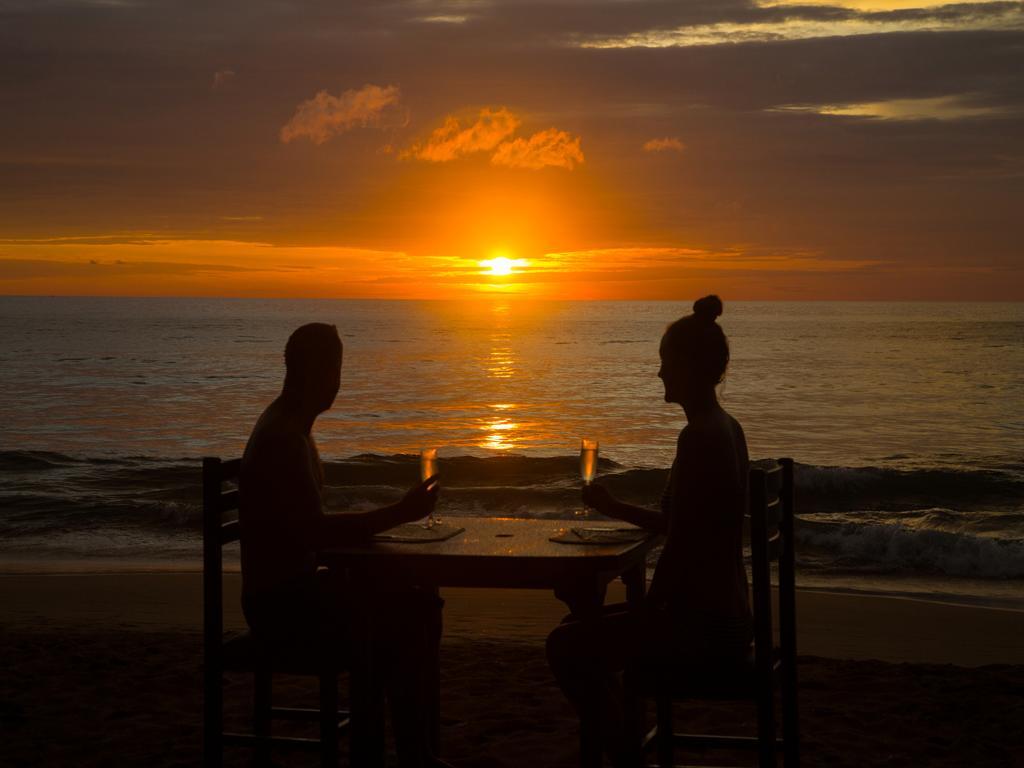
(499,434)
(501,359)
(499,429)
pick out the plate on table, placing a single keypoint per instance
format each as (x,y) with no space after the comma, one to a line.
(414,533)
(600,535)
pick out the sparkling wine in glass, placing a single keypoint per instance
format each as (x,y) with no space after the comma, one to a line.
(428,468)
(588,464)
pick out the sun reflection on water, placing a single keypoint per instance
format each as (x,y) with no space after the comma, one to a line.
(499,434)
(498,427)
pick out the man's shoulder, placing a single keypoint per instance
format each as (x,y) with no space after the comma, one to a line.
(275,437)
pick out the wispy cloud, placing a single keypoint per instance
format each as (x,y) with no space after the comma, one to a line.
(663,145)
(837,22)
(955,107)
(552,147)
(659,261)
(444,19)
(452,140)
(492,131)
(324,116)
(878,5)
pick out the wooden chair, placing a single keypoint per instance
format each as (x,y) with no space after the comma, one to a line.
(245,653)
(772,666)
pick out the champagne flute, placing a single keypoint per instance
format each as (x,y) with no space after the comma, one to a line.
(588,465)
(428,468)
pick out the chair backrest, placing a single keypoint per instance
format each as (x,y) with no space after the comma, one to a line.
(771,538)
(216,533)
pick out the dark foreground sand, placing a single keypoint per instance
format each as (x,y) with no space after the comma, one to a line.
(104,671)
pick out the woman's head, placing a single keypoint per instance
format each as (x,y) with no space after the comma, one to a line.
(694,353)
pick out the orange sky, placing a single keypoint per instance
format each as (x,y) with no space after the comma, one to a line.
(849,149)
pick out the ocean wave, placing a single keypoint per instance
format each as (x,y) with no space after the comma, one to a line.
(879,488)
(961,522)
(895,547)
(818,488)
(44,460)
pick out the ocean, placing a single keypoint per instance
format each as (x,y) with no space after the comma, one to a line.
(906,421)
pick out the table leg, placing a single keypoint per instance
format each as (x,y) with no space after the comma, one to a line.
(366,691)
(635,580)
(585,600)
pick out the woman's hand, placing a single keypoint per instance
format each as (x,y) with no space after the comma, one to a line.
(597,497)
(419,501)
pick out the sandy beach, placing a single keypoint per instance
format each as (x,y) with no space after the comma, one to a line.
(103,669)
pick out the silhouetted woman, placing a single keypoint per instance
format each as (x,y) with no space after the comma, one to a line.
(696,618)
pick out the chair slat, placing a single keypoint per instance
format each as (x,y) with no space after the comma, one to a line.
(294,742)
(306,713)
(773,479)
(229,469)
(716,741)
(229,501)
(229,532)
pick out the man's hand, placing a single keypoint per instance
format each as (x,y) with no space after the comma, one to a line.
(419,501)
(597,497)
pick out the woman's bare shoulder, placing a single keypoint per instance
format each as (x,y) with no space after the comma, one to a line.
(737,428)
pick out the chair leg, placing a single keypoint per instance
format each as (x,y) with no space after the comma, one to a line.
(262,684)
(634,715)
(765,726)
(664,740)
(329,721)
(213,719)
(590,724)
(790,729)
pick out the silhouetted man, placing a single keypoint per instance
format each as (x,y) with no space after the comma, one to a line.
(284,597)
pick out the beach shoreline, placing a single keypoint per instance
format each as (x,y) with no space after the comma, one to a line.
(836,625)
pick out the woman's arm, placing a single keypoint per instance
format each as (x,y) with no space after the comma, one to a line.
(598,497)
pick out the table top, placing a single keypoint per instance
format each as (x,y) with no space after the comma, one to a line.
(500,552)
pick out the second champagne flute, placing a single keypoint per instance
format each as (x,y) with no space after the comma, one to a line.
(428,468)
(588,465)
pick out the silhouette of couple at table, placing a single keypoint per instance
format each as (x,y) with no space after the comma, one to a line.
(696,611)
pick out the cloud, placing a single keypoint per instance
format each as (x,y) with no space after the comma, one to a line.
(324,116)
(957,107)
(663,145)
(546,148)
(779,23)
(30,269)
(451,140)
(222,78)
(492,131)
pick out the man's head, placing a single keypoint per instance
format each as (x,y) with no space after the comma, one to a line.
(312,359)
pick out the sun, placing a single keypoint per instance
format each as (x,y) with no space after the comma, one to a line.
(501,265)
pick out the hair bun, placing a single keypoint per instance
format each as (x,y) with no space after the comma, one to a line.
(708,308)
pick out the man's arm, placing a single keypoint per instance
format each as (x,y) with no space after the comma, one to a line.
(339,529)
(302,497)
